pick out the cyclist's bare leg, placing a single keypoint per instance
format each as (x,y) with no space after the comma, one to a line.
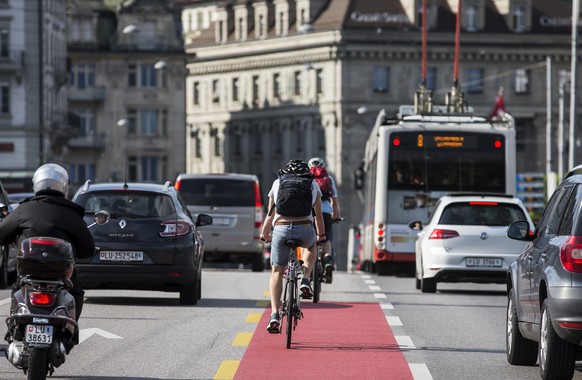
(276,287)
(309,256)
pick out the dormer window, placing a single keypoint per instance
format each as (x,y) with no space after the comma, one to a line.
(282,17)
(518,16)
(419,16)
(471,14)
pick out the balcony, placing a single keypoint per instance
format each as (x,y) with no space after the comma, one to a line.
(12,61)
(89,94)
(91,142)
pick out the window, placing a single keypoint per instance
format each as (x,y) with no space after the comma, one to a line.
(87,121)
(144,168)
(217,142)
(131,122)
(215,94)
(471,18)
(82,76)
(276,86)
(235,89)
(431,75)
(380,78)
(518,15)
(196,93)
(474,81)
(197,145)
(4,43)
(4,99)
(79,173)
(255,89)
(319,81)
(297,83)
(261,30)
(142,75)
(148,122)
(521,81)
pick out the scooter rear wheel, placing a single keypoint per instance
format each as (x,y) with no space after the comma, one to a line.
(37,363)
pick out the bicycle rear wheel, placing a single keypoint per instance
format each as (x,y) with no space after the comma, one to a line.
(291,306)
(316,276)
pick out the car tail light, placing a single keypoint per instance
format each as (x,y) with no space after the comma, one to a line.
(175,228)
(571,325)
(258,207)
(42,298)
(439,234)
(571,254)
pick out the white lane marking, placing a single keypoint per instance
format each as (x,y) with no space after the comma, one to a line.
(380,295)
(387,306)
(394,321)
(87,333)
(370,282)
(375,288)
(419,371)
(404,342)
(366,276)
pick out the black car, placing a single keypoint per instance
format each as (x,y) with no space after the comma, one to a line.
(150,242)
(544,285)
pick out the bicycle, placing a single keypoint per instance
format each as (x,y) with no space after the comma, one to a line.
(290,305)
(317,273)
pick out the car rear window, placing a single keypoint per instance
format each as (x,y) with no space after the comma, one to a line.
(481,213)
(218,192)
(130,204)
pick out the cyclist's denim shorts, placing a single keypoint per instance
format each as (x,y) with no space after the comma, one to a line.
(279,251)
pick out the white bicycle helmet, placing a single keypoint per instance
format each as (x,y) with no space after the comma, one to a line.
(51,177)
(316,162)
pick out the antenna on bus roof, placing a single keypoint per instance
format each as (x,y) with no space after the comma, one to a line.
(423,96)
(454,100)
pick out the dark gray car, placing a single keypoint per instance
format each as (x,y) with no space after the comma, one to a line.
(544,285)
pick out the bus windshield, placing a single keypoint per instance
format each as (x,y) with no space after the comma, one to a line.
(447,161)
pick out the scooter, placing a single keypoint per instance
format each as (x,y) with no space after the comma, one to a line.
(42,326)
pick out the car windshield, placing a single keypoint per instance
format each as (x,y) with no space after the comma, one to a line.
(131,204)
(481,213)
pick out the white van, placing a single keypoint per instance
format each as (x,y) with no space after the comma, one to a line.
(235,203)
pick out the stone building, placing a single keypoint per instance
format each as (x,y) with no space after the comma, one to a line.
(33,78)
(271,80)
(127,67)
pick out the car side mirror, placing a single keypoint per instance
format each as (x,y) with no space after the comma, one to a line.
(416,225)
(519,230)
(203,220)
(4,210)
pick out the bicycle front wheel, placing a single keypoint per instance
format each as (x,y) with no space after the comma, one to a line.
(291,307)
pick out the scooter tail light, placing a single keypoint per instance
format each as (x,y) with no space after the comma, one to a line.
(42,298)
(571,254)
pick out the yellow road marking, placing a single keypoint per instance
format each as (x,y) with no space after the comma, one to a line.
(254,317)
(242,339)
(227,370)
(262,303)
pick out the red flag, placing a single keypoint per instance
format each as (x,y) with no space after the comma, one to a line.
(499,108)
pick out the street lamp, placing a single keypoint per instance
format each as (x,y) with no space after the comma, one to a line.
(129,29)
(160,64)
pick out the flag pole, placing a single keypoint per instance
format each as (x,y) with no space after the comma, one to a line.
(573,76)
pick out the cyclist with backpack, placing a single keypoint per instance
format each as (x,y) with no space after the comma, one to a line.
(330,208)
(294,205)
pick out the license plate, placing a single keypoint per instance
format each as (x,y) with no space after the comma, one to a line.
(220,221)
(39,334)
(121,256)
(484,262)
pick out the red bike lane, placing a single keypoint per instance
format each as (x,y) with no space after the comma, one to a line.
(332,341)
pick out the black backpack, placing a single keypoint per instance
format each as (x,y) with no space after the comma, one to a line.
(294,195)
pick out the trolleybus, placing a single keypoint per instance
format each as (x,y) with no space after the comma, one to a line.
(413,159)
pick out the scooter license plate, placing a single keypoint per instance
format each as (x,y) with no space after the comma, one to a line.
(39,334)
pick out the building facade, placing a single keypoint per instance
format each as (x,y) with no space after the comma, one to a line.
(272,80)
(127,75)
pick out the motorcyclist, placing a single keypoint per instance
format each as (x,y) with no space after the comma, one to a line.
(49,213)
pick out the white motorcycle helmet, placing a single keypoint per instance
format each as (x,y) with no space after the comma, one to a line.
(51,177)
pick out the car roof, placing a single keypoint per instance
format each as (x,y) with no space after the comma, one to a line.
(465,197)
(236,176)
(129,186)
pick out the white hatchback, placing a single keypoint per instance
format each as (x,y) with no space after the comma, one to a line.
(466,240)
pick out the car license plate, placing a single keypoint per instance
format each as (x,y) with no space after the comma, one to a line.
(39,334)
(120,256)
(483,262)
(220,221)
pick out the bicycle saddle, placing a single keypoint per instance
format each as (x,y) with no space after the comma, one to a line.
(293,243)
